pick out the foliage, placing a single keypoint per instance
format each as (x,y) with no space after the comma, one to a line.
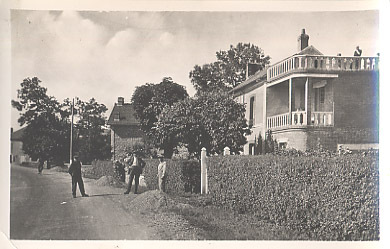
(47,137)
(46,130)
(230,68)
(211,120)
(321,197)
(182,175)
(89,140)
(99,169)
(47,134)
(149,100)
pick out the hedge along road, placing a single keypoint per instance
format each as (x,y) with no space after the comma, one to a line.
(42,208)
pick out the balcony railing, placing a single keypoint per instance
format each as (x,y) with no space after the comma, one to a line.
(323,63)
(322,118)
(299,118)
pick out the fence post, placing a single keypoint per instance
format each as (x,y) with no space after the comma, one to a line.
(203,173)
(226,151)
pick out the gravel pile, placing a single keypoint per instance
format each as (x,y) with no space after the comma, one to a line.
(109,181)
(157,206)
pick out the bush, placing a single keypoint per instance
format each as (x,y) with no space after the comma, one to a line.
(98,169)
(182,175)
(324,198)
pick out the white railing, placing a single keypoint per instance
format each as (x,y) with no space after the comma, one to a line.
(322,119)
(278,121)
(323,63)
(298,118)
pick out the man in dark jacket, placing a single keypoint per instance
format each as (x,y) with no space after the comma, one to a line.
(75,172)
(136,165)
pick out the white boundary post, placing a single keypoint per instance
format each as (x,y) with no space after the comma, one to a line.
(203,171)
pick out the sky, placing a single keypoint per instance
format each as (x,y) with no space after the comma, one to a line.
(106,54)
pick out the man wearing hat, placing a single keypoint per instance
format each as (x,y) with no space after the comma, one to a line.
(135,170)
(75,172)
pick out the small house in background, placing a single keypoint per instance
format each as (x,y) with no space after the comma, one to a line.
(125,129)
(311,100)
(17,154)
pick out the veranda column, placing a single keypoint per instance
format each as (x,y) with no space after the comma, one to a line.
(306,99)
(290,100)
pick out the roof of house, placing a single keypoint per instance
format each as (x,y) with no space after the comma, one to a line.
(126,115)
(310,50)
(17,135)
(261,75)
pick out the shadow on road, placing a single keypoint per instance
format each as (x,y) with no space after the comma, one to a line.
(103,195)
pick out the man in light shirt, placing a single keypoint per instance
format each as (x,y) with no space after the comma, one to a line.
(161,174)
(136,165)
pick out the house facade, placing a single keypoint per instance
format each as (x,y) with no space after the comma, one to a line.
(17,154)
(311,100)
(125,129)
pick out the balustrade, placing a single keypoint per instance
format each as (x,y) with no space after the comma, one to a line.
(320,62)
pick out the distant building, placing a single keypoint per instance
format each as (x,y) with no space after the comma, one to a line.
(311,100)
(17,154)
(125,129)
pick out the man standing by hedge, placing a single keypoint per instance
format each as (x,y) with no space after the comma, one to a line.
(75,172)
(161,173)
(136,166)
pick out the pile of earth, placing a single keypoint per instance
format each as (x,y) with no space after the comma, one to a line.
(164,215)
(155,200)
(110,181)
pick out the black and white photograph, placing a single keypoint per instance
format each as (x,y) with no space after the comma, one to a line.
(194,125)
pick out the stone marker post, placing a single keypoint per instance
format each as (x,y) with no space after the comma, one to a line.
(203,171)
(226,151)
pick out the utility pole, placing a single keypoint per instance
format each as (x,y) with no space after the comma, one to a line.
(71,136)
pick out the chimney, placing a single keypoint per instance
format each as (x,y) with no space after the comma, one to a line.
(303,40)
(121,101)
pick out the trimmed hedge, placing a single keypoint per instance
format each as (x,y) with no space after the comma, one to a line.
(324,198)
(182,175)
(98,169)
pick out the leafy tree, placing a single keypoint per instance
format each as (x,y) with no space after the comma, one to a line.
(47,137)
(90,140)
(212,120)
(230,68)
(46,130)
(149,100)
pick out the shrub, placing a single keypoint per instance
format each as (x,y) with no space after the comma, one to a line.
(182,175)
(324,198)
(98,169)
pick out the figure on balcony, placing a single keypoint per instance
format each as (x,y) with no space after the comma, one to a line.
(358,51)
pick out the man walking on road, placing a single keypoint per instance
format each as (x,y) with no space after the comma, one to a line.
(75,172)
(161,173)
(136,166)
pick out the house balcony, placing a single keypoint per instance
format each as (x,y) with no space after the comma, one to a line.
(320,63)
(298,119)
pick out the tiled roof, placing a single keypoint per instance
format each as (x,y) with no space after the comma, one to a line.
(17,135)
(259,76)
(125,113)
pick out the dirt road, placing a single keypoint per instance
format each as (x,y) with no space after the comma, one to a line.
(42,208)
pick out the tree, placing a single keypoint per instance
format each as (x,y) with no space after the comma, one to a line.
(149,100)
(47,137)
(90,141)
(212,120)
(230,68)
(46,123)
